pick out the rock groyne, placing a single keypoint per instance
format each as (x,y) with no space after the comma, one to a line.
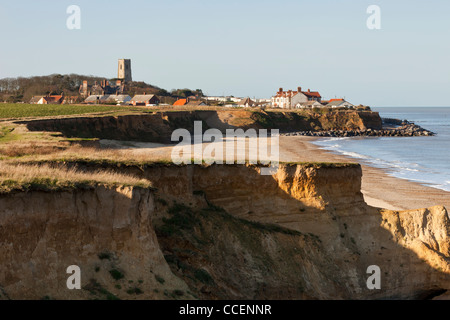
(391,128)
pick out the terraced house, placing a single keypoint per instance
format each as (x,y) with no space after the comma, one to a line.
(290,99)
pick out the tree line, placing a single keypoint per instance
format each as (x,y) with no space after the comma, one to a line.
(22,89)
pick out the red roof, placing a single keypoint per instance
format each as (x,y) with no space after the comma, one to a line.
(291,93)
(53,98)
(331,100)
(180,102)
(312,94)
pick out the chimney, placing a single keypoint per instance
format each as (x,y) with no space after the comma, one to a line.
(281,90)
(299,89)
(309,90)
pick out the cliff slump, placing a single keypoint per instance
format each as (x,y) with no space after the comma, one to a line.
(222,232)
(158,126)
(324,204)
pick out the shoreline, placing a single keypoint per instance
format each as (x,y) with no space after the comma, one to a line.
(378,187)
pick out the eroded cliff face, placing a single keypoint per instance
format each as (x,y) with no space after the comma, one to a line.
(158,126)
(99,230)
(222,232)
(341,235)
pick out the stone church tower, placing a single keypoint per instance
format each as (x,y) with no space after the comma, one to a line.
(124,70)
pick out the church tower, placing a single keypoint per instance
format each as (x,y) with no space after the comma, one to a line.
(124,70)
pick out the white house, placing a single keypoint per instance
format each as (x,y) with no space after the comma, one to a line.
(108,98)
(290,99)
(335,103)
(223,99)
(119,98)
(309,104)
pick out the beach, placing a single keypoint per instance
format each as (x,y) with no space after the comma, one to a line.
(379,188)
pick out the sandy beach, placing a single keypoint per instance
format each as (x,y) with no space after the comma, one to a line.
(379,188)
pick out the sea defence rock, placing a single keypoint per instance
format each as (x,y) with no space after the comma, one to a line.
(408,130)
(222,232)
(391,128)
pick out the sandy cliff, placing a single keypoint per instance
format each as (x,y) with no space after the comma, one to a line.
(99,230)
(222,231)
(158,126)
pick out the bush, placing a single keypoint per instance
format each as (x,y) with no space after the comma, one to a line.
(135,290)
(116,274)
(178,293)
(203,276)
(104,255)
(159,279)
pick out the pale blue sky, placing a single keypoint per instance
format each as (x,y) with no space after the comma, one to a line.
(241,47)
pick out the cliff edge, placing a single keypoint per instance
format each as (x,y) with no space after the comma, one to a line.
(221,232)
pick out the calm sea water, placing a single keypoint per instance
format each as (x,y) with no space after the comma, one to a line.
(422,159)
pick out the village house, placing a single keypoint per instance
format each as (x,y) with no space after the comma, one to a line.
(70,99)
(35,99)
(102,88)
(223,99)
(196,103)
(94,99)
(54,99)
(108,98)
(335,103)
(289,99)
(181,102)
(189,102)
(247,102)
(145,100)
(121,99)
(309,104)
(48,99)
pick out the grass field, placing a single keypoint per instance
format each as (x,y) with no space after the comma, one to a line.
(22,110)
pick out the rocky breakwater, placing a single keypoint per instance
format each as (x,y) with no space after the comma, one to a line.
(391,128)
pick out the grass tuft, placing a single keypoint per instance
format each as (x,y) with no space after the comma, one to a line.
(43,177)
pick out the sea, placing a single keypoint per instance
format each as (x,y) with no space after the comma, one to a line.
(425,160)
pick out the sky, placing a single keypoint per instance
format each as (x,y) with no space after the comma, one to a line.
(241,47)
